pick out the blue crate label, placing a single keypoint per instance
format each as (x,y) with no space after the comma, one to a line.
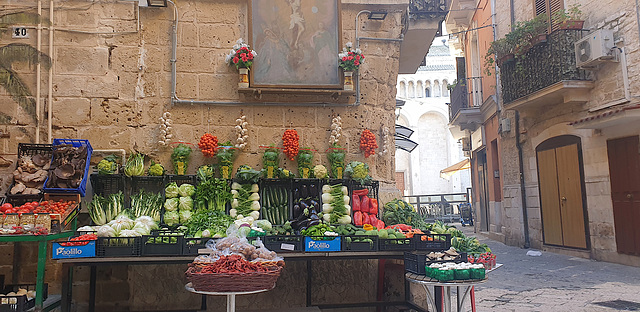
(285,246)
(322,245)
(65,252)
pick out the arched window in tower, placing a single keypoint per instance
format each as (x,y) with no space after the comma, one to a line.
(402,90)
(445,88)
(427,88)
(411,90)
(436,88)
(419,89)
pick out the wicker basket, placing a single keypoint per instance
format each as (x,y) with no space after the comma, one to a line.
(233,282)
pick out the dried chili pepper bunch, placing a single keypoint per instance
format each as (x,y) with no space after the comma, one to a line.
(291,143)
(208,144)
(368,143)
(232,264)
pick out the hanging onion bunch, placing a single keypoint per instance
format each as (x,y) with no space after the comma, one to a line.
(336,130)
(166,132)
(385,140)
(242,132)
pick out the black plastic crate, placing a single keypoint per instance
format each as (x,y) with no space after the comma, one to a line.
(182,179)
(159,244)
(357,243)
(28,149)
(284,243)
(107,184)
(272,190)
(118,246)
(153,184)
(399,244)
(432,242)
(415,262)
(20,303)
(190,246)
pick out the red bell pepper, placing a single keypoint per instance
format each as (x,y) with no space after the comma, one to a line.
(373,203)
(361,192)
(374,219)
(365,204)
(380,224)
(357,218)
(356,203)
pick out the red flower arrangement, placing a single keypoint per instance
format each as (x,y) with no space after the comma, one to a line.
(241,55)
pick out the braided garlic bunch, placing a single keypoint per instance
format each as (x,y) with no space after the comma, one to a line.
(385,141)
(166,132)
(336,130)
(242,132)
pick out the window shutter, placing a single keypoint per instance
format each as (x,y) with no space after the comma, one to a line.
(548,8)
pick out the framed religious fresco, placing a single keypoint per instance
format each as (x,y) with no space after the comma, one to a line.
(297,42)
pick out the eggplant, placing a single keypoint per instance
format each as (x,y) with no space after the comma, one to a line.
(303,205)
(313,217)
(306,223)
(304,191)
(313,190)
(314,203)
(296,210)
(314,222)
(296,193)
(301,217)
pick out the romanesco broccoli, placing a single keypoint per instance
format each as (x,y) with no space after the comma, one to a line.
(107,167)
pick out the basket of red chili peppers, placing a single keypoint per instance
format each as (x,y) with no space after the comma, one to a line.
(233,274)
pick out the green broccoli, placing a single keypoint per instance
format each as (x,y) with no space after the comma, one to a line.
(156,169)
(107,167)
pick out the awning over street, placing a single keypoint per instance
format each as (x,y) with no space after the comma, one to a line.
(449,171)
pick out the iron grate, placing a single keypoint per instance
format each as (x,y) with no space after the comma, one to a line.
(622,305)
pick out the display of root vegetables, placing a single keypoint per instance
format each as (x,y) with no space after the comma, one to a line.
(67,167)
(30,175)
(275,200)
(335,204)
(246,201)
(365,209)
(306,205)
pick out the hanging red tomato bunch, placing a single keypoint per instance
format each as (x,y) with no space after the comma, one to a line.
(368,143)
(208,144)
(290,142)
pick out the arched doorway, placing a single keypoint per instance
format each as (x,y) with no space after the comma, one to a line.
(562,192)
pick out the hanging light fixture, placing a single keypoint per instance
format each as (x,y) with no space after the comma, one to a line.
(157,3)
(377,15)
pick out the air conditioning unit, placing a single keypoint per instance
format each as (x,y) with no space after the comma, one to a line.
(594,48)
(466,144)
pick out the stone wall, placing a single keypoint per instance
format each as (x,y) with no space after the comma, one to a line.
(111,90)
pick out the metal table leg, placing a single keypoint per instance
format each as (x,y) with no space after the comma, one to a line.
(467,290)
(447,299)
(429,297)
(231,303)
(67,284)
(42,260)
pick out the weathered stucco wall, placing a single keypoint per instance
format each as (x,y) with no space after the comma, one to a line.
(111,90)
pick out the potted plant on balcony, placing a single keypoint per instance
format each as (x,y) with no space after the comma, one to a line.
(537,30)
(500,52)
(570,19)
(241,56)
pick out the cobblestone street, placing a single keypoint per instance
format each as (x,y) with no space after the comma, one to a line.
(554,282)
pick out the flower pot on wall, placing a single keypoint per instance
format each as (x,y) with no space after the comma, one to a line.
(539,39)
(244,78)
(506,59)
(348,80)
(571,24)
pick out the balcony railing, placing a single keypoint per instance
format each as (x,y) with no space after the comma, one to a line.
(543,65)
(428,9)
(466,94)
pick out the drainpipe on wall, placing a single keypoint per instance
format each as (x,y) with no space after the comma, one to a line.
(523,192)
(53,62)
(38,72)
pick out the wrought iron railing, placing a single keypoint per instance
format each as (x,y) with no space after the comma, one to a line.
(442,207)
(427,9)
(541,66)
(459,99)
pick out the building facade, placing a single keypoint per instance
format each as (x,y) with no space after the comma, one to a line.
(567,129)
(425,111)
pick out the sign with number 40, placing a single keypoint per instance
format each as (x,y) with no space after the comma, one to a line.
(20,32)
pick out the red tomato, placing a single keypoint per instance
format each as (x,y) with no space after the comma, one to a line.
(6,206)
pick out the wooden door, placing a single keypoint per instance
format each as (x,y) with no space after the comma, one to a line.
(561,193)
(570,192)
(400,181)
(548,178)
(624,171)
